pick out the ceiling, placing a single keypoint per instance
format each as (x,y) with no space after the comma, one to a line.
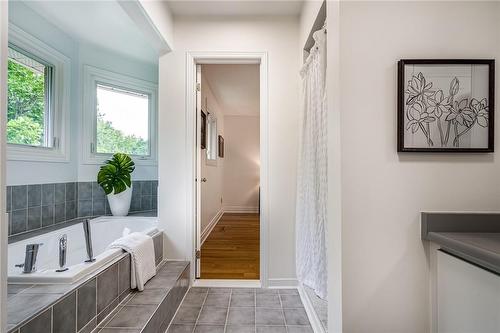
(102,23)
(235,7)
(236,87)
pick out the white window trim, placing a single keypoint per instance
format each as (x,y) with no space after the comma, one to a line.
(92,76)
(61,115)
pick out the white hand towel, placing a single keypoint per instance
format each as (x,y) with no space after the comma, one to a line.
(141,249)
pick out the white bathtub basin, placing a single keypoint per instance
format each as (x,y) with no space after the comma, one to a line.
(104,231)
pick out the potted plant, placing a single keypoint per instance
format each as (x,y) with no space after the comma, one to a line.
(114,178)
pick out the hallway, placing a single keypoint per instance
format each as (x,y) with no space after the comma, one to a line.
(231,251)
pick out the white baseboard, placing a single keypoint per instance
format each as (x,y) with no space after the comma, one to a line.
(311,313)
(227,283)
(211,225)
(282,283)
(241,209)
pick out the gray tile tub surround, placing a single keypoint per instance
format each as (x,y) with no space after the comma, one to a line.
(241,310)
(81,306)
(151,310)
(37,206)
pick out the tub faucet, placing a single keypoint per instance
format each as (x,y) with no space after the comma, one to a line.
(29,265)
(63,246)
(88,240)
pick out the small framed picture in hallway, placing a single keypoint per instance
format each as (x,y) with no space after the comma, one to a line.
(221,146)
(446,105)
(203,140)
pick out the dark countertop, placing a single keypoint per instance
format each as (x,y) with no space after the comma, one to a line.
(472,236)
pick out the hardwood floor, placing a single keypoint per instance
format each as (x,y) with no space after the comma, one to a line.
(232,249)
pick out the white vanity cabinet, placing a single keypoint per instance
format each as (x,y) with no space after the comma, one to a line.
(468,297)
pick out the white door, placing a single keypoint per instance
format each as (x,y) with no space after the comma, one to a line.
(198,171)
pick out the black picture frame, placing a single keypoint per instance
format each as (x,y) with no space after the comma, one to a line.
(487,112)
(221,146)
(203,135)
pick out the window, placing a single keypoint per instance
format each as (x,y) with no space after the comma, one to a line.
(38,100)
(29,102)
(212,140)
(119,116)
(122,121)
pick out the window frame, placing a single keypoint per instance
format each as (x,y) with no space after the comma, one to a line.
(94,76)
(59,99)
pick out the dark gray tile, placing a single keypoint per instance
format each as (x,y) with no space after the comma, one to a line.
(98,207)
(194,299)
(219,290)
(13,288)
(107,287)
(268,301)
(296,317)
(64,315)
(135,204)
(148,297)
(288,291)
(34,217)
(242,300)
(60,193)
(209,329)
(136,188)
(19,197)
(300,329)
(132,316)
(47,215)
(84,208)
(265,316)
(86,303)
(158,246)
(174,328)
(271,329)
(119,330)
(71,191)
(34,195)
(89,328)
(219,300)
(60,212)
(202,290)
(266,291)
(146,202)
(240,329)
(291,301)
(212,315)
(84,191)
(40,324)
(154,202)
(187,315)
(241,316)
(70,210)
(124,274)
(243,291)
(97,192)
(19,220)
(48,194)
(17,310)
(107,310)
(161,282)
(146,188)
(9,199)
(154,187)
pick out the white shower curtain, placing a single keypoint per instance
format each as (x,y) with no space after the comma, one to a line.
(311,214)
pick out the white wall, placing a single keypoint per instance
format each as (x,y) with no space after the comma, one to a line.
(211,190)
(385,268)
(22,172)
(241,163)
(279,37)
(308,14)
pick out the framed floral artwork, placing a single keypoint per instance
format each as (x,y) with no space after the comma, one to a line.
(446,105)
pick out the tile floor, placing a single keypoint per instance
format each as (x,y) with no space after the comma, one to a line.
(245,310)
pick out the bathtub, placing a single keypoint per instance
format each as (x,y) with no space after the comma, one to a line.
(104,230)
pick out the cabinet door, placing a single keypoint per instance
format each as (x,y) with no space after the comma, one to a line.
(468,297)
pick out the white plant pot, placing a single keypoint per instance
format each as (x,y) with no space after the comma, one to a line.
(120,203)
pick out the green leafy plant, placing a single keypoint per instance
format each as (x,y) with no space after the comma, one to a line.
(114,175)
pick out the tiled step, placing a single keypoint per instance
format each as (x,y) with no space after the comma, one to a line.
(151,310)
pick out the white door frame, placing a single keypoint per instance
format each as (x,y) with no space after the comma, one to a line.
(192,59)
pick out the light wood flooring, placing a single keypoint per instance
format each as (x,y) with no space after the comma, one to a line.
(232,249)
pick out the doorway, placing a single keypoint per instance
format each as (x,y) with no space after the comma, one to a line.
(228,167)
(233,238)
